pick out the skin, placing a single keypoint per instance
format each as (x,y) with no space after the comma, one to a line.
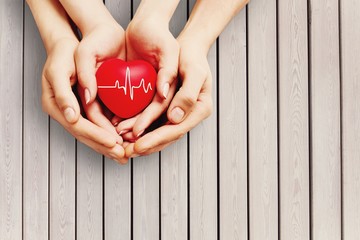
(59,75)
(193,102)
(148,38)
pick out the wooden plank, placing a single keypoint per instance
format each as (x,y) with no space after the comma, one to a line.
(203,167)
(350,38)
(174,191)
(89,192)
(146,201)
(117,186)
(203,171)
(35,136)
(146,197)
(233,130)
(294,120)
(11,52)
(263,156)
(62,183)
(325,120)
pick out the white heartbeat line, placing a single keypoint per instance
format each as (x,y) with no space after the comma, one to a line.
(128,81)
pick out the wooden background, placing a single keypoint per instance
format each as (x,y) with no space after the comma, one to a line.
(278,158)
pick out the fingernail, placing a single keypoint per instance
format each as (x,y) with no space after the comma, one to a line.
(139,134)
(115,124)
(87,96)
(134,155)
(166,90)
(177,114)
(69,114)
(123,132)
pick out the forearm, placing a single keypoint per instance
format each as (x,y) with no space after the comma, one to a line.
(87,14)
(208,19)
(52,21)
(156,8)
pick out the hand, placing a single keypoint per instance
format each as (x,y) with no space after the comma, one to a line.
(104,41)
(150,39)
(58,76)
(194,97)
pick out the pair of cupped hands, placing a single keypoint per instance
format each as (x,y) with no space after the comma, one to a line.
(178,62)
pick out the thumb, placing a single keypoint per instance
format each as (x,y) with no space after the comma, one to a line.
(85,65)
(168,70)
(65,98)
(187,96)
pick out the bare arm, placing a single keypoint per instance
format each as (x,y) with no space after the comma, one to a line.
(208,19)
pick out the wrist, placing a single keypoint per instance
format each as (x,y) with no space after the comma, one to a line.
(198,42)
(69,40)
(88,15)
(156,9)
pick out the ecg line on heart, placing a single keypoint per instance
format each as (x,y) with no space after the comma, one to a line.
(128,82)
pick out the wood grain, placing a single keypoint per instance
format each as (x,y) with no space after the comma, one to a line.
(263,155)
(89,205)
(117,192)
(174,166)
(350,39)
(294,120)
(11,52)
(233,130)
(203,171)
(146,204)
(36,126)
(325,120)
(62,183)
(203,167)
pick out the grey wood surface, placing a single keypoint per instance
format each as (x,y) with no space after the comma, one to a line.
(278,158)
(233,130)
(36,130)
(325,120)
(11,118)
(350,80)
(263,130)
(293,100)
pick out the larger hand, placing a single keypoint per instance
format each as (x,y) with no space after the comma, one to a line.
(149,38)
(59,72)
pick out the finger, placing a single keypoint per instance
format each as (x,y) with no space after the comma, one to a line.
(115,120)
(130,137)
(153,112)
(82,128)
(130,151)
(168,69)
(125,144)
(59,78)
(95,114)
(85,65)
(169,133)
(186,97)
(116,153)
(126,125)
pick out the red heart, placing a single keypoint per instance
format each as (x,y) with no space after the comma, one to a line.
(126,88)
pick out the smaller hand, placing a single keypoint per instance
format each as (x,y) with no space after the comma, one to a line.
(57,97)
(194,99)
(149,39)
